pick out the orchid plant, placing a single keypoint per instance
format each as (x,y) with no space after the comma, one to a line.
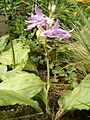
(49,28)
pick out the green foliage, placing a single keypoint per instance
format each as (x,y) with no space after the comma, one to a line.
(30,66)
(69,15)
(71,75)
(21,53)
(68,73)
(79,98)
(19,87)
(9,97)
(3,69)
(22,82)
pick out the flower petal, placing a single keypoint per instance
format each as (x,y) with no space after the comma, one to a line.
(29,27)
(67,35)
(56,26)
(37,11)
(63,33)
(33,18)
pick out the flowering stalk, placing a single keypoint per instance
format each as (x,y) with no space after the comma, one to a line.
(44,24)
(48,74)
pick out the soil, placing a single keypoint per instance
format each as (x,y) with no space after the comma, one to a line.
(20,112)
(3,26)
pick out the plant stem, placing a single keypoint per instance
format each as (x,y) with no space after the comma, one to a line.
(7,20)
(48,74)
(59,114)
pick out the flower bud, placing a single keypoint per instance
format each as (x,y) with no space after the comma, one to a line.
(38,33)
(53,8)
(49,7)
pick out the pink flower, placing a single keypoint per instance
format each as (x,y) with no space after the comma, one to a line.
(39,20)
(56,32)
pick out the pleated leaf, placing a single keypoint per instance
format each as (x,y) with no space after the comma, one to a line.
(23,84)
(79,98)
(9,97)
(21,54)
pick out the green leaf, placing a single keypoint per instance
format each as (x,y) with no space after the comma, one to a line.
(22,82)
(30,66)
(3,41)
(9,97)
(79,98)
(42,95)
(20,87)
(3,69)
(21,54)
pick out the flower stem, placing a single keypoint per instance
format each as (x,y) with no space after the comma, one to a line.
(48,75)
(13,53)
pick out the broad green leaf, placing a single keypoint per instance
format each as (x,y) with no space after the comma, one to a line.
(9,97)
(20,87)
(21,66)
(3,69)
(79,98)
(30,66)
(42,95)
(24,83)
(3,41)
(21,54)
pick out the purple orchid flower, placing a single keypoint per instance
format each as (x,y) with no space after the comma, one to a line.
(56,32)
(39,20)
